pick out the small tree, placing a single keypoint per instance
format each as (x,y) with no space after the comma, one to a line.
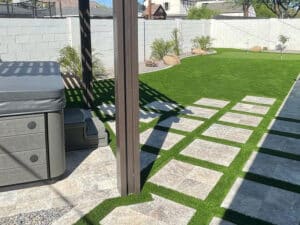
(176,41)
(161,48)
(283,40)
(203,42)
(201,13)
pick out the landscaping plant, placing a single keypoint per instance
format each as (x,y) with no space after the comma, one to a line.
(283,40)
(161,48)
(70,62)
(203,42)
(201,13)
(176,41)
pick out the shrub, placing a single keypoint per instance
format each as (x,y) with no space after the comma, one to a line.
(203,42)
(176,41)
(283,40)
(201,13)
(70,62)
(160,48)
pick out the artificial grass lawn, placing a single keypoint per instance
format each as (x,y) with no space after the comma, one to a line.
(230,75)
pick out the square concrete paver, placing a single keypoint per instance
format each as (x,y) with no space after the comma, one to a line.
(162,106)
(229,133)
(186,178)
(160,139)
(107,109)
(199,112)
(147,158)
(159,211)
(259,100)
(280,143)
(267,203)
(218,221)
(250,108)
(274,167)
(211,151)
(212,102)
(241,119)
(180,123)
(285,126)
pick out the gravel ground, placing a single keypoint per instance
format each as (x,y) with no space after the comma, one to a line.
(43,217)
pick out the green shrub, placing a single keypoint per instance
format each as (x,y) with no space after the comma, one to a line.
(160,48)
(203,42)
(201,13)
(70,62)
(176,41)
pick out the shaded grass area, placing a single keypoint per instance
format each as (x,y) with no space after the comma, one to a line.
(229,75)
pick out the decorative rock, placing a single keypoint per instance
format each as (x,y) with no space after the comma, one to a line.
(198,51)
(256,49)
(150,63)
(171,60)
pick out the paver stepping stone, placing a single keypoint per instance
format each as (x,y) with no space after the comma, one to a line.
(180,123)
(160,139)
(259,100)
(280,143)
(145,116)
(264,202)
(241,119)
(258,109)
(274,167)
(229,133)
(188,179)
(199,112)
(285,126)
(162,106)
(159,211)
(212,102)
(218,221)
(211,151)
(147,158)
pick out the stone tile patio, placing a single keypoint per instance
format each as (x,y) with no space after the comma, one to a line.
(90,179)
(180,123)
(228,133)
(274,167)
(241,119)
(250,108)
(162,106)
(280,143)
(218,221)
(211,151)
(160,139)
(285,126)
(199,112)
(264,202)
(259,100)
(212,102)
(186,178)
(147,158)
(159,211)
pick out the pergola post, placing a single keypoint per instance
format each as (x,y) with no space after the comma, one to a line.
(127,95)
(86,51)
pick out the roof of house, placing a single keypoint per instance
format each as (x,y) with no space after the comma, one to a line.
(224,7)
(154,9)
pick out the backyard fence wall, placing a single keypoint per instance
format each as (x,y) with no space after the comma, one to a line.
(41,39)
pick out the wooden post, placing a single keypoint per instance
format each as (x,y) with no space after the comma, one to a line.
(127,95)
(150,9)
(86,51)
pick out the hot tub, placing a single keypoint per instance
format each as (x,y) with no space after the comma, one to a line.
(31,122)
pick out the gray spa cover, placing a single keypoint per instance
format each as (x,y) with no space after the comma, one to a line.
(30,87)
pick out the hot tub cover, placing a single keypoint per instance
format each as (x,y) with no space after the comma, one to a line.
(30,87)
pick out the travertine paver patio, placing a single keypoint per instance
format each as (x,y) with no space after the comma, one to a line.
(274,167)
(218,221)
(145,116)
(259,100)
(160,139)
(212,102)
(241,119)
(211,151)
(90,179)
(285,126)
(188,179)
(162,106)
(264,202)
(199,112)
(280,143)
(147,158)
(229,133)
(250,108)
(159,211)
(180,123)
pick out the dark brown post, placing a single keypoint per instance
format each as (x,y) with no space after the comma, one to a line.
(127,95)
(150,9)
(60,9)
(86,51)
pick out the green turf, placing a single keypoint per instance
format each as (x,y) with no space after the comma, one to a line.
(230,75)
